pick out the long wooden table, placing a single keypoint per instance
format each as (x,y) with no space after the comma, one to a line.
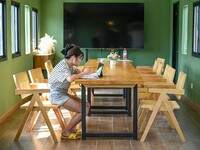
(122,75)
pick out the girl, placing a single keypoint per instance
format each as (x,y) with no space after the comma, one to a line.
(59,81)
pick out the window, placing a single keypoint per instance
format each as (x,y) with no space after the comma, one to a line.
(196,29)
(34,28)
(15,34)
(2,31)
(185,29)
(27,30)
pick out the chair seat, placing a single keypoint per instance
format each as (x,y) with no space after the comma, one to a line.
(47,104)
(150,104)
(143,96)
(142,90)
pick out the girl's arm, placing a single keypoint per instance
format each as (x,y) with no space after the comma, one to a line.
(78,75)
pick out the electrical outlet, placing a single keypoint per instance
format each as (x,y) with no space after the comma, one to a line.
(191,86)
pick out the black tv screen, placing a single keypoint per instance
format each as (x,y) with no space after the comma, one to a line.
(104,25)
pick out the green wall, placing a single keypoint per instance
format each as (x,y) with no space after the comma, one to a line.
(188,63)
(51,21)
(11,66)
(157,43)
(156,28)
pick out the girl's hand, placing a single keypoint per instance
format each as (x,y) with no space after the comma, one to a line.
(87,70)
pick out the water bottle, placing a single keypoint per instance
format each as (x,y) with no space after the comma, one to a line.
(124,54)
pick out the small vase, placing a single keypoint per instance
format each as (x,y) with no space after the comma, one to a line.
(113,62)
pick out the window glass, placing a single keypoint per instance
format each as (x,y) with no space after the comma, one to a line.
(15,29)
(27,30)
(185,29)
(196,29)
(34,28)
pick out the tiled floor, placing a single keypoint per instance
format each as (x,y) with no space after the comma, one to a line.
(161,136)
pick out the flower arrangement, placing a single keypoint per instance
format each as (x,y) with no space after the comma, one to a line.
(113,56)
(47,44)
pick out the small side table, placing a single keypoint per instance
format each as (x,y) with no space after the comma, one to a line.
(40,59)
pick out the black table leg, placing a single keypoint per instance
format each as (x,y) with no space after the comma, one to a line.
(124,93)
(135,100)
(83,96)
(129,101)
(89,99)
(86,55)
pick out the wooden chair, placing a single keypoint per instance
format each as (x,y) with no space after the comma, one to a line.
(49,67)
(156,79)
(162,60)
(151,68)
(36,76)
(143,92)
(35,104)
(157,72)
(163,104)
(167,77)
(152,76)
(148,68)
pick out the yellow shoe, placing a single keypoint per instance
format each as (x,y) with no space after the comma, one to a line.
(78,132)
(72,136)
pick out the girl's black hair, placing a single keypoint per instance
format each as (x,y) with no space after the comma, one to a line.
(70,50)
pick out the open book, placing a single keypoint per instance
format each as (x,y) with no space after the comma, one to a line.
(96,75)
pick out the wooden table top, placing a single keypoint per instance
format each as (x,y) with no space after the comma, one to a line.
(122,74)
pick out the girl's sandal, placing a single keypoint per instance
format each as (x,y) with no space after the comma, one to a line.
(72,136)
(78,132)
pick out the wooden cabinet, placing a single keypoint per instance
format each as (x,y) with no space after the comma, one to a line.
(40,59)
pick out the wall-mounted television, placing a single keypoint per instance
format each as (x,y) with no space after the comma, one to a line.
(104,25)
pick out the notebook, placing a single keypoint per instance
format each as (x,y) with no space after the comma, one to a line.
(97,74)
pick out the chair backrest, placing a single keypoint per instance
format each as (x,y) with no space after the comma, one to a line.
(159,69)
(166,72)
(162,60)
(155,65)
(180,82)
(21,81)
(36,75)
(169,73)
(49,67)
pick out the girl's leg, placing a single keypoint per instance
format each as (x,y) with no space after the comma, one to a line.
(75,106)
(87,110)
(79,100)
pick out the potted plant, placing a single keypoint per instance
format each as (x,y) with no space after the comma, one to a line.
(113,57)
(46,45)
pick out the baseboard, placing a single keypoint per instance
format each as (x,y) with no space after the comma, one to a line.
(192,104)
(9,112)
